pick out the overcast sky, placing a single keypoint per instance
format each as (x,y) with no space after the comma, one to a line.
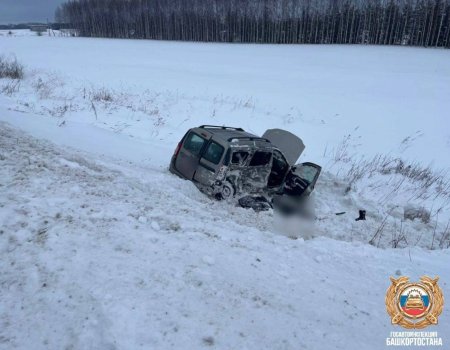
(17,11)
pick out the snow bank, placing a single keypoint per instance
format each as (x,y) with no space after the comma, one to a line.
(102,248)
(139,125)
(320,92)
(103,254)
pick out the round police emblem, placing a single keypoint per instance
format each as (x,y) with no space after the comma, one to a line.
(414,305)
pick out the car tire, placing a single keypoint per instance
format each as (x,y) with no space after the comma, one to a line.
(227,191)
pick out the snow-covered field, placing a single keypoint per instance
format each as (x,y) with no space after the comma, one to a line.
(102,248)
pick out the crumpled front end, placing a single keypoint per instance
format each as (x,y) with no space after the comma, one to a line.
(240,175)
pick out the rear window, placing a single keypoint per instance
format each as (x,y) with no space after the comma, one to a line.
(194,143)
(260,158)
(239,157)
(214,153)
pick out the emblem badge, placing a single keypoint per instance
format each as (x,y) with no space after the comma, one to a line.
(414,304)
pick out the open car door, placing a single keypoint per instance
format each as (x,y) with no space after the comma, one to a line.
(290,145)
(301,179)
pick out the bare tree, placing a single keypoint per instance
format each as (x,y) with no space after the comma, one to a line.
(385,22)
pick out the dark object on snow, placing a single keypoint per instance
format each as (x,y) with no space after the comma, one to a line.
(258,203)
(362,215)
(340,213)
(227,162)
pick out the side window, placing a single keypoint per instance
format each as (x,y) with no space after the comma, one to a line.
(194,143)
(214,153)
(260,158)
(239,157)
(306,172)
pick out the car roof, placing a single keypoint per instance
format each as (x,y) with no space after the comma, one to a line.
(227,133)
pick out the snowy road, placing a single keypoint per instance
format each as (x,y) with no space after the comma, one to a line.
(100,254)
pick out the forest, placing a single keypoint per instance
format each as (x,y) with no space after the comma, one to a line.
(377,22)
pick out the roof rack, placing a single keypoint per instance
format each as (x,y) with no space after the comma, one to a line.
(249,138)
(220,127)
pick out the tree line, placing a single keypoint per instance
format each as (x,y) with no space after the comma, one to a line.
(382,22)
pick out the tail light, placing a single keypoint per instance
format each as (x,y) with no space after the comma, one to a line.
(177,150)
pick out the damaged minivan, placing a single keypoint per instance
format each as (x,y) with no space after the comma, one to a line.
(228,162)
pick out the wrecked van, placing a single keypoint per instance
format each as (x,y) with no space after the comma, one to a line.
(228,162)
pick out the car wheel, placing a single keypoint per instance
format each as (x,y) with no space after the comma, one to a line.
(227,191)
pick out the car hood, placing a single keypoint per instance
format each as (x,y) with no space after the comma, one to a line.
(289,144)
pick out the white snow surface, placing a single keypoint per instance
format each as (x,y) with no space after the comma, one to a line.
(321,92)
(106,255)
(102,248)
